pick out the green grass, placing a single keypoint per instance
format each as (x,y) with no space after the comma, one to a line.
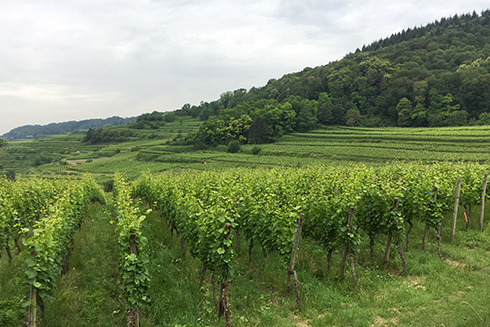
(88,295)
(11,291)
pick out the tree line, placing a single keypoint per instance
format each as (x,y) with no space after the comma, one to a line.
(431,76)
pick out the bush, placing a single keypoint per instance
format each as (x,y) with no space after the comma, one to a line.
(256,149)
(169,117)
(484,118)
(108,186)
(200,146)
(234,146)
(10,174)
(42,161)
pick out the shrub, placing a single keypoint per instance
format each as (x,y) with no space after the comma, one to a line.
(10,174)
(42,161)
(108,186)
(256,149)
(169,117)
(234,146)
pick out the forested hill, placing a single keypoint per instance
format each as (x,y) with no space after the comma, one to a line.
(40,131)
(436,75)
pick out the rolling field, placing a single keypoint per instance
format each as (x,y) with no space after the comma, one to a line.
(332,145)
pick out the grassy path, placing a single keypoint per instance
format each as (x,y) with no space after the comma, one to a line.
(88,295)
(11,290)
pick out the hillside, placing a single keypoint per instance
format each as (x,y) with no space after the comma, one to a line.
(431,76)
(41,131)
(156,151)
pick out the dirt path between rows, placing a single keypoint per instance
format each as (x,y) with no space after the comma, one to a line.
(77,161)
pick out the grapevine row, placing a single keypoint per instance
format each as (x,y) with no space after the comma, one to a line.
(23,203)
(52,237)
(263,207)
(133,260)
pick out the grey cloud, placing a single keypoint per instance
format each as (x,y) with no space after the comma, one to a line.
(64,60)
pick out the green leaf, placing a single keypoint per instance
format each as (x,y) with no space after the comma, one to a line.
(31,273)
(30,262)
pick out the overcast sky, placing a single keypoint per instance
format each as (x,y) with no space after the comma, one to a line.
(66,60)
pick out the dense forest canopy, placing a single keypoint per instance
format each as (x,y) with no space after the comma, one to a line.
(436,75)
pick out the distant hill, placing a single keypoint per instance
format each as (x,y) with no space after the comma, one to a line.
(40,131)
(430,76)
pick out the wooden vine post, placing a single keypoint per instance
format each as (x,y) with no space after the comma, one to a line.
(182,240)
(291,271)
(224,301)
(455,212)
(482,209)
(330,251)
(237,228)
(468,215)
(350,218)
(31,315)
(388,238)
(133,317)
(347,250)
(407,235)
(425,237)
(31,320)
(439,232)
(250,247)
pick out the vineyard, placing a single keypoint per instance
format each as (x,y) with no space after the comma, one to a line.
(313,239)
